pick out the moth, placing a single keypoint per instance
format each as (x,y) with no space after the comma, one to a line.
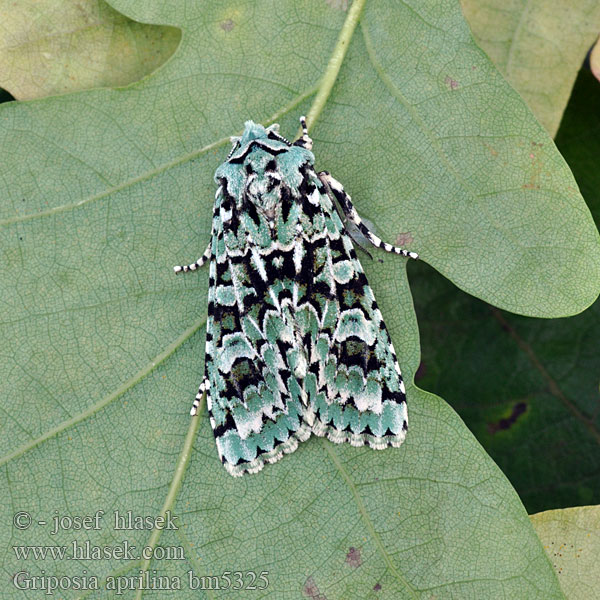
(295,342)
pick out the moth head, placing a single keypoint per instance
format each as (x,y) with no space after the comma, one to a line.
(255,132)
(252,131)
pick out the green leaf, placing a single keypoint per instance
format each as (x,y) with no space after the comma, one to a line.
(49,48)
(571,538)
(104,191)
(528,389)
(539,46)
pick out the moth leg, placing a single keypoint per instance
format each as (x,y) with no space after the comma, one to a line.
(203,388)
(195,265)
(345,202)
(344,220)
(305,141)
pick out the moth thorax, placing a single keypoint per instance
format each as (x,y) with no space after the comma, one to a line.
(268,203)
(263,189)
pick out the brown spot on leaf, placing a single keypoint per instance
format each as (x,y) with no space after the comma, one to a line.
(503,424)
(377,587)
(227,25)
(402,239)
(353,557)
(451,83)
(491,149)
(311,590)
(536,170)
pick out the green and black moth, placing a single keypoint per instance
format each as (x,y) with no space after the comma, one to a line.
(295,342)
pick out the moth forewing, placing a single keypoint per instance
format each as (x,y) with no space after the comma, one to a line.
(295,342)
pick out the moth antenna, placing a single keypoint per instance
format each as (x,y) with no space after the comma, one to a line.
(305,141)
(303,125)
(235,146)
(274,131)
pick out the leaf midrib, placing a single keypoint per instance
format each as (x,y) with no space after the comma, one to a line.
(330,450)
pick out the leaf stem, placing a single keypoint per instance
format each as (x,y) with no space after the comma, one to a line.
(180,468)
(335,61)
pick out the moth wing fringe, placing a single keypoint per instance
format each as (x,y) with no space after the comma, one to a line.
(257,464)
(336,436)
